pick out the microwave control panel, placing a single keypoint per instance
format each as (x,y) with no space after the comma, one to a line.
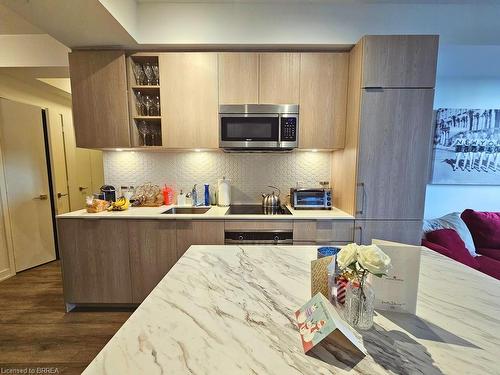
(289,129)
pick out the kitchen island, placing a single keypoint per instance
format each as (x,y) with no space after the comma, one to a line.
(229,310)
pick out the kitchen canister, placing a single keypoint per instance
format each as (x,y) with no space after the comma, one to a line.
(224,192)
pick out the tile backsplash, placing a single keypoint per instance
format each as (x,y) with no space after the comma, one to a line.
(249,173)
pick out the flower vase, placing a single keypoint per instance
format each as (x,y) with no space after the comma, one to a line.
(359,305)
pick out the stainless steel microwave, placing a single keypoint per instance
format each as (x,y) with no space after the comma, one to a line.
(259,127)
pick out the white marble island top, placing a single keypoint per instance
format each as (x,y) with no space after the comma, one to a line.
(228,310)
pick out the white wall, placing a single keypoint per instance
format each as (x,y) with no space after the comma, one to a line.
(474,92)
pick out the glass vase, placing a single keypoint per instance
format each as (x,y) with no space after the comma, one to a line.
(359,305)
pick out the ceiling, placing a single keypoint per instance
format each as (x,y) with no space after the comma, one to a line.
(12,23)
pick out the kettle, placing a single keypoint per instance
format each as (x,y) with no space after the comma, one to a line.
(271,200)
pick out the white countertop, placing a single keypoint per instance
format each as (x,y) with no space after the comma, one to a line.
(214,212)
(229,310)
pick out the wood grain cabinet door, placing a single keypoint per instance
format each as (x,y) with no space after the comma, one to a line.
(99,96)
(404,231)
(153,252)
(323,231)
(189,100)
(238,78)
(95,260)
(399,61)
(394,149)
(279,78)
(323,96)
(198,232)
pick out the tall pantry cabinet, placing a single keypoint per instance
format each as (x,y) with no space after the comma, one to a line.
(381,175)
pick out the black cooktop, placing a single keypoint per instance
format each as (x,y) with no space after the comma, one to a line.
(256,209)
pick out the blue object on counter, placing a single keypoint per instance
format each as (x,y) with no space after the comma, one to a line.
(327,251)
(207,195)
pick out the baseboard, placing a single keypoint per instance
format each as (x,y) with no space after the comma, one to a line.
(5,274)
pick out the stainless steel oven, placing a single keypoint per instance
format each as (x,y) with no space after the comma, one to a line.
(259,127)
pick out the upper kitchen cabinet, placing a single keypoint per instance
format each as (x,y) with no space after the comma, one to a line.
(189,100)
(238,78)
(399,61)
(323,95)
(99,95)
(279,78)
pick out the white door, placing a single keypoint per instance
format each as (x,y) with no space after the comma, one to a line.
(26,178)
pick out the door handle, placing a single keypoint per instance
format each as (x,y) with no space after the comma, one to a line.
(60,195)
(363,193)
(42,197)
(360,228)
(82,188)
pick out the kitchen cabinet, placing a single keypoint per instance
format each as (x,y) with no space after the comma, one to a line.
(403,231)
(323,96)
(95,261)
(189,100)
(153,251)
(99,97)
(279,78)
(323,231)
(394,144)
(399,61)
(238,78)
(198,232)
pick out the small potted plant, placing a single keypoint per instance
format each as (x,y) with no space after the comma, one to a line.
(356,262)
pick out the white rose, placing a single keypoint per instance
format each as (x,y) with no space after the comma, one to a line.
(374,260)
(347,255)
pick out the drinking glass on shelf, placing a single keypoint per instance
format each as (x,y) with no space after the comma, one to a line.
(156,73)
(143,128)
(148,70)
(139,75)
(148,103)
(139,104)
(156,134)
(155,107)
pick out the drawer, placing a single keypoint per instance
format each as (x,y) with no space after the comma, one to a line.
(247,225)
(318,231)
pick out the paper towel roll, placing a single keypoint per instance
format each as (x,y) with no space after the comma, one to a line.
(224,192)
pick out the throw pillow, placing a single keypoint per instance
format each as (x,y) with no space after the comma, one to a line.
(449,239)
(484,227)
(452,221)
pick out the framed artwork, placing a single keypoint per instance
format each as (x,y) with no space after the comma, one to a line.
(466,147)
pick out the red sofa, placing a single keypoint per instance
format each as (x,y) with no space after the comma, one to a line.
(485,230)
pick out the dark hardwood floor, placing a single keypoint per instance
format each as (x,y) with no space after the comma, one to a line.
(36,332)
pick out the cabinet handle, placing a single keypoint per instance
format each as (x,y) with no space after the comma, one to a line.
(363,193)
(82,188)
(60,195)
(42,197)
(360,228)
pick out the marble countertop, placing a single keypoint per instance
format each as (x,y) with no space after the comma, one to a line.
(214,212)
(229,310)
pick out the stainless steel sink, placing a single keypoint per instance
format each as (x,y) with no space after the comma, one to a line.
(186,210)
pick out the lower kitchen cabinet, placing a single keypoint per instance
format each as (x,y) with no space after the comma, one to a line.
(153,252)
(404,231)
(95,261)
(323,231)
(198,232)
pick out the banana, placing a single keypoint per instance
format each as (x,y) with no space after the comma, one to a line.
(121,204)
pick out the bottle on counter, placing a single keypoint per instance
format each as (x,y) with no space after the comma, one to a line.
(207,195)
(181,199)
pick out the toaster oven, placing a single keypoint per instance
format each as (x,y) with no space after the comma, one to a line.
(311,199)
